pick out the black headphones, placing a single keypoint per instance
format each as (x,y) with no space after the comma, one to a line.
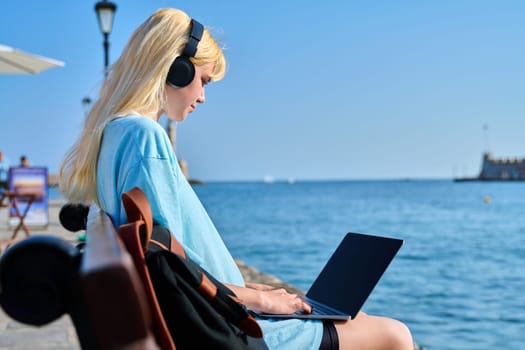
(182,70)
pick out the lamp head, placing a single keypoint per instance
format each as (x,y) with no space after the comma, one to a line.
(105,11)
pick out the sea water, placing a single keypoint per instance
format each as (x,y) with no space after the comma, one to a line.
(458,281)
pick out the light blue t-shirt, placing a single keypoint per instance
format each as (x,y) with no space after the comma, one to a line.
(136,151)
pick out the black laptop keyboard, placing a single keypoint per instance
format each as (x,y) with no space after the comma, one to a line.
(321,309)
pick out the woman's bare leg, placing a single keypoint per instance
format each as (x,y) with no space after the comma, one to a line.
(367,332)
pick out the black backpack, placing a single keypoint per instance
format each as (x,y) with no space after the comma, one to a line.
(199,312)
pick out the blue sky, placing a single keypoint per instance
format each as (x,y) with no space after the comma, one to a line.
(314,89)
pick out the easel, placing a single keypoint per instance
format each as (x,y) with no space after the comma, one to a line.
(12,202)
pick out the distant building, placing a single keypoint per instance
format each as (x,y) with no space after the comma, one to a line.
(504,169)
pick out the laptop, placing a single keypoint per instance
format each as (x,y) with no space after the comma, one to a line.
(348,278)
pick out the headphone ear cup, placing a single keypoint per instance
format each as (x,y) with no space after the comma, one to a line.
(181,73)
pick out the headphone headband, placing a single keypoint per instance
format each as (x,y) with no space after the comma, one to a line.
(195,36)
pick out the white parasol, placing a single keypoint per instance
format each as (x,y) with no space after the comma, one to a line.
(14,61)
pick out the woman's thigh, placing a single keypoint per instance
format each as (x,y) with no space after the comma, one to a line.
(373,333)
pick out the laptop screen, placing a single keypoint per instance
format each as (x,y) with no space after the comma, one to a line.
(353,271)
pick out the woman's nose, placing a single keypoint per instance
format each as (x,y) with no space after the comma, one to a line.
(202,97)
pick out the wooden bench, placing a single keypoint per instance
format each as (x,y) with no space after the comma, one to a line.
(44,277)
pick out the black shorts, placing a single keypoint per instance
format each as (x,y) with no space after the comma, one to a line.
(330,341)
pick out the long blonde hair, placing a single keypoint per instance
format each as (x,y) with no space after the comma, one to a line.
(135,85)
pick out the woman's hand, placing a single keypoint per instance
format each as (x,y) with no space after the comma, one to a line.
(271,300)
(279,301)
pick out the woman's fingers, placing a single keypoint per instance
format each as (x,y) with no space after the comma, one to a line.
(296,303)
(305,306)
(280,301)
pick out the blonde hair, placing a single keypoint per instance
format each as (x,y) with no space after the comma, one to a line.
(135,85)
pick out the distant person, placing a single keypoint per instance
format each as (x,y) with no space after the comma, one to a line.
(164,69)
(4,171)
(24,162)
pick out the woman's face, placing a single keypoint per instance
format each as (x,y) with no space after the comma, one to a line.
(182,101)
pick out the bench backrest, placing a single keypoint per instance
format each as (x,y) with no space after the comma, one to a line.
(115,295)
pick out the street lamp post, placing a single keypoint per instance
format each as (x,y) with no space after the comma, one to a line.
(86,103)
(105,11)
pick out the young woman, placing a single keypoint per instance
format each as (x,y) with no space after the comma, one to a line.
(164,69)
